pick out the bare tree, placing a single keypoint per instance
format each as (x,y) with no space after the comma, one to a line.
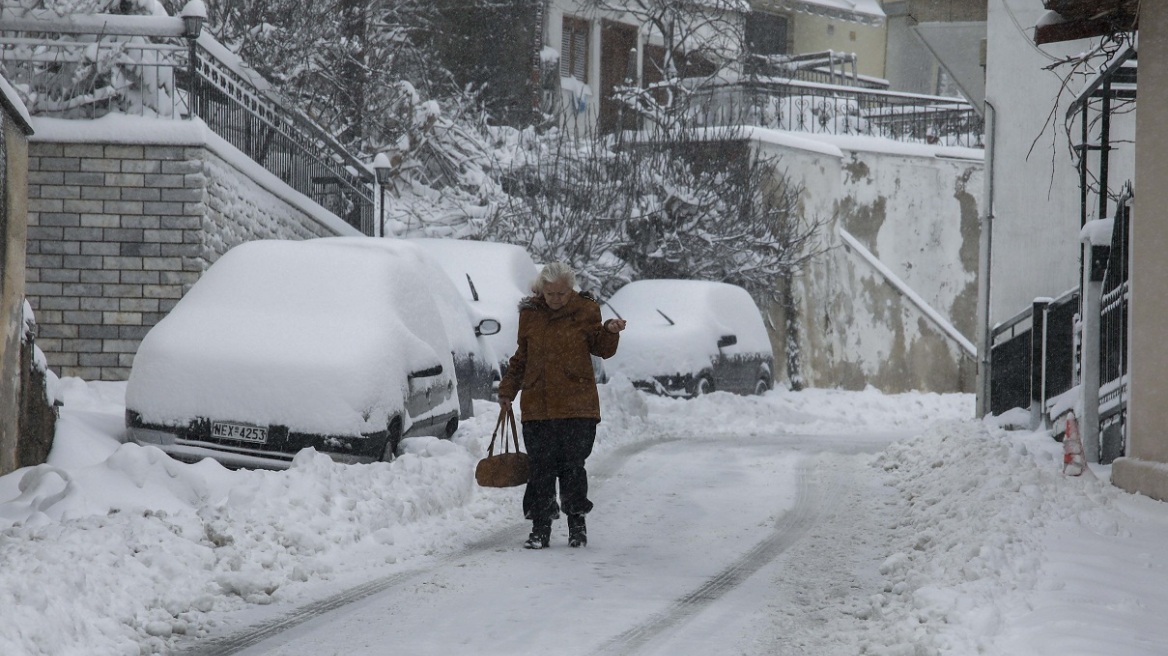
(678,207)
(689,46)
(567,200)
(723,211)
(341,61)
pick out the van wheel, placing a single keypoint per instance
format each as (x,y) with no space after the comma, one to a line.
(451,426)
(393,441)
(761,387)
(704,386)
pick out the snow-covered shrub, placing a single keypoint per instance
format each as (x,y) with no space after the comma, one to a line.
(87,76)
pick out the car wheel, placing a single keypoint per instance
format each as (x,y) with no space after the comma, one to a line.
(451,426)
(394,435)
(704,386)
(761,387)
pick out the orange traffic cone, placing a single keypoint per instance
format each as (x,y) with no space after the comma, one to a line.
(1073,462)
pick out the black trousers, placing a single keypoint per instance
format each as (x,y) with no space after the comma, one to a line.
(556,449)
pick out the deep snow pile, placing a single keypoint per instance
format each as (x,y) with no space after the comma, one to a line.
(116,549)
(994,547)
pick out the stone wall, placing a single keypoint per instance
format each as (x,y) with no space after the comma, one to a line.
(119,232)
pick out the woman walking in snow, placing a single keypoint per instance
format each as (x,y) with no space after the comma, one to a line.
(559,331)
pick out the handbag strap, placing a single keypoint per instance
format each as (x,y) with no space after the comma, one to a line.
(514,432)
(505,414)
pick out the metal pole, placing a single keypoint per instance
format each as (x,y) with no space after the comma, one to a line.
(193,108)
(1038,363)
(985,269)
(1096,258)
(379,231)
(1104,147)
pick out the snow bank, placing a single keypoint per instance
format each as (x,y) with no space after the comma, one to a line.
(972,546)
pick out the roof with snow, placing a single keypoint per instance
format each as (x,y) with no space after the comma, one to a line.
(867,12)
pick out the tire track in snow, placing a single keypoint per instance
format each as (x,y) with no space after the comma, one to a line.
(503,537)
(810,503)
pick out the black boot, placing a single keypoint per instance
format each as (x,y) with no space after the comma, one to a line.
(541,534)
(577,532)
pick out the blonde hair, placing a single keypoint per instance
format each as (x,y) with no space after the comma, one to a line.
(554,272)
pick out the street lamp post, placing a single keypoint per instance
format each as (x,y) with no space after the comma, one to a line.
(194,13)
(382,168)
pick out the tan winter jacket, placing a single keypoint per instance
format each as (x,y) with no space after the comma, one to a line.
(552,363)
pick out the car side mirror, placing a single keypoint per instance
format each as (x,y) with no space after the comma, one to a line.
(727,340)
(427,372)
(487,327)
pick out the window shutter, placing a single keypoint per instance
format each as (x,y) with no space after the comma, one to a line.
(574,49)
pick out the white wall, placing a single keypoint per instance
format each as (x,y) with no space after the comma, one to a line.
(868,42)
(915,208)
(1036,204)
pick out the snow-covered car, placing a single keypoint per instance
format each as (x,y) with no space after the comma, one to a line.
(283,345)
(492,278)
(690,337)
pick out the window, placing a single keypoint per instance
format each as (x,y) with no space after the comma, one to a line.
(766,34)
(574,49)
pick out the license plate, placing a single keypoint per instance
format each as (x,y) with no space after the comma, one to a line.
(242,432)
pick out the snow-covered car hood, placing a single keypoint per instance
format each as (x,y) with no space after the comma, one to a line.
(663,350)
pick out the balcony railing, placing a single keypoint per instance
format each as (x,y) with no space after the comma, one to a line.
(1032,355)
(84,67)
(785,103)
(827,67)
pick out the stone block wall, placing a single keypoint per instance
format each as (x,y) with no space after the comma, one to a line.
(119,232)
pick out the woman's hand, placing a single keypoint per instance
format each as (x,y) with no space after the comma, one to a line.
(614,325)
(504,403)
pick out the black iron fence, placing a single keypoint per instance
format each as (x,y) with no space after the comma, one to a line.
(788,104)
(1113,359)
(1032,356)
(289,145)
(88,67)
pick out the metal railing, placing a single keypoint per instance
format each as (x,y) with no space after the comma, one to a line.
(827,67)
(1032,355)
(298,151)
(89,67)
(787,104)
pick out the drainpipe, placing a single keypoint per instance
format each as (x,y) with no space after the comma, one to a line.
(985,256)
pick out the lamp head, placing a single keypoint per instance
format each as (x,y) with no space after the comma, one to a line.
(382,168)
(194,14)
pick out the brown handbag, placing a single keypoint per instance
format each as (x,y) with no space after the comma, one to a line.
(508,468)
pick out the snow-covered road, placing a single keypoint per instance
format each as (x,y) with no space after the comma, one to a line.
(680,526)
(817,523)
